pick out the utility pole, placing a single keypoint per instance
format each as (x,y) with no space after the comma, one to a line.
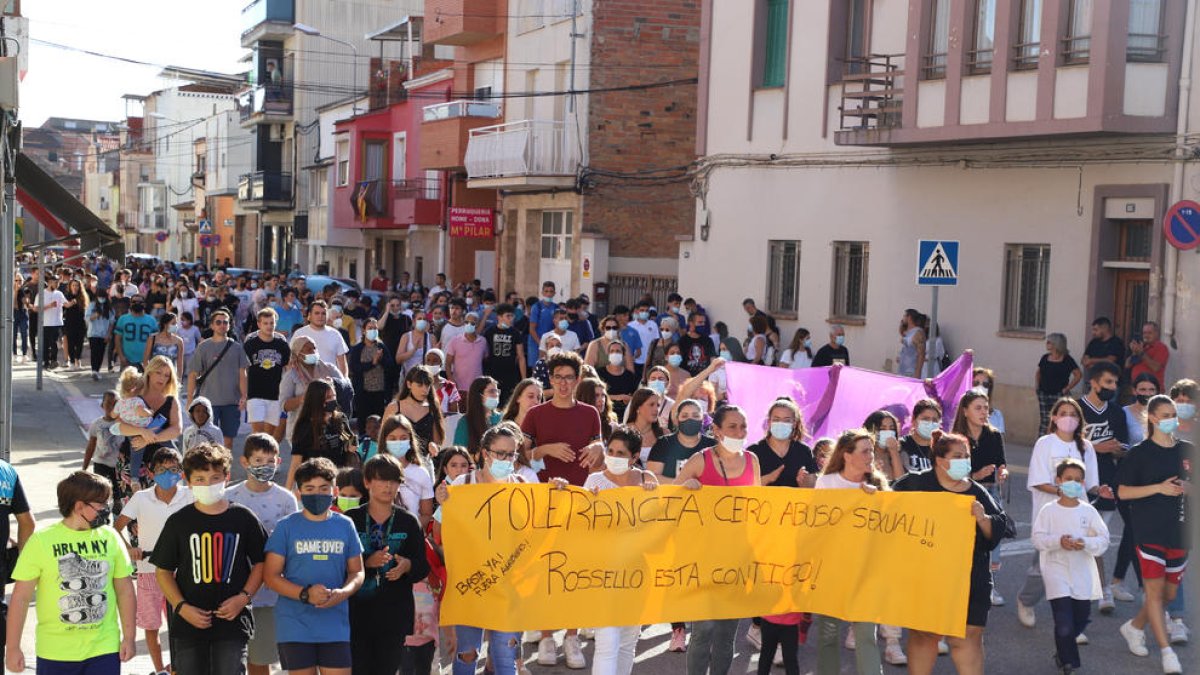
(575,35)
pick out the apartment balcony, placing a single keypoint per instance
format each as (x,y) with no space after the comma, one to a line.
(267,20)
(382,204)
(446,128)
(265,104)
(265,190)
(416,201)
(530,154)
(462,22)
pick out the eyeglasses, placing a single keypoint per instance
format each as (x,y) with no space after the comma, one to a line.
(503,455)
(610,328)
(563,378)
(220,322)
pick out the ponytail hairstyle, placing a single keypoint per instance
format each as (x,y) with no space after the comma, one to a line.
(846,444)
(1154,404)
(944,442)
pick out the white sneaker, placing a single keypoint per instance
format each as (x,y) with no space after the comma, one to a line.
(1081,639)
(547,652)
(1025,615)
(850,641)
(1171,664)
(1177,631)
(894,654)
(531,637)
(574,653)
(1107,606)
(943,648)
(997,599)
(754,636)
(1119,593)
(1135,639)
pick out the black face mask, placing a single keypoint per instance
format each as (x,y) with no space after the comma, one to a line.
(1143,399)
(1106,394)
(331,406)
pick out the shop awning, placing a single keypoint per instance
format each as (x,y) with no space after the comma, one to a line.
(61,213)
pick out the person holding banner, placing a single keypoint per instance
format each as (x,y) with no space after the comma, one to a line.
(782,455)
(498,453)
(850,467)
(951,472)
(725,464)
(884,428)
(616,645)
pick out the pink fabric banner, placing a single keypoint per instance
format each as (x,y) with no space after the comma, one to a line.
(837,398)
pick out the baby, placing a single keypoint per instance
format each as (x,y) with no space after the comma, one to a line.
(131,407)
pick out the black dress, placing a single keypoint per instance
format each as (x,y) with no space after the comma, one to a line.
(74,327)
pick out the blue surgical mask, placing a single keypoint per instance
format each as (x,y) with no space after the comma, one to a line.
(642,316)
(316,504)
(500,468)
(959,468)
(675,360)
(807,343)
(658,386)
(311,359)
(469,329)
(398,448)
(519,312)
(167,479)
(491,402)
(372,334)
(1185,411)
(1168,425)
(840,340)
(726,355)
(422,325)
(538,465)
(884,436)
(925,428)
(1072,489)
(781,431)
(563,324)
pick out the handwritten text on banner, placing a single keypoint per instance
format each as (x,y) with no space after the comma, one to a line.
(529,557)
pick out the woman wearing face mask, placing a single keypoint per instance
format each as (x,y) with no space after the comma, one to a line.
(396,438)
(642,415)
(884,427)
(183,299)
(617,645)
(989,467)
(166,342)
(526,395)
(676,374)
(372,373)
(658,380)
(1056,375)
(418,402)
(619,380)
(660,349)
(1185,393)
(483,403)
(782,455)
(951,472)
(799,352)
(416,343)
(914,448)
(74,317)
(984,381)
(1063,440)
(322,430)
(499,446)
(304,367)
(725,464)
(1145,387)
(610,332)
(1154,478)
(758,345)
(99,331)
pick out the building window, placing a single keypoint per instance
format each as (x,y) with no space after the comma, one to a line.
(1026,285)
(532,15)
(557,233)
(850,263)
(979,58)
(783,277)
(1077,44)
(1137,237)
(343,162)
(1146,43)
(857,30)
(939,41)
(775,44)
(1029,35)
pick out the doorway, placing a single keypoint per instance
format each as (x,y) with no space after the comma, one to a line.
(1131,302)
(558,229)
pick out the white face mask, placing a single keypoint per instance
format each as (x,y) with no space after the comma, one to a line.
(616,465)
(734,445)
(610,334)
(616,358)
(209,494)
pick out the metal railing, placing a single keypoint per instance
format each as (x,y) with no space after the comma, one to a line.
(525,148)
(979,61)
(872,92)
(460,108)
(416,188)
(1077,49)
(272,98)
(260,11)
(629,289)
(265,186)
(933,67)
(1026,55)
(1146,48)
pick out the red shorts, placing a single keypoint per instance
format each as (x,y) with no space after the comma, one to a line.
(1160,562)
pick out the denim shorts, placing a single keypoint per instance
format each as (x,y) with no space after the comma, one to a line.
(228,418)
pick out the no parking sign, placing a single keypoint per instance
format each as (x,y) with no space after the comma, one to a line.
(1181,225)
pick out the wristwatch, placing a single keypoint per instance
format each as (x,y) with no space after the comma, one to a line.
(304,594)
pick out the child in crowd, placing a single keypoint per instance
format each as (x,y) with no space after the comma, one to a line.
(368,444)
(80,573)
(1070,534)
(210,620)
(314,562)
(383,612)
(822,449)
(271,503)
(202,430)
(131,408)
(782,632)
(103,445)
(151,508)
(350,489)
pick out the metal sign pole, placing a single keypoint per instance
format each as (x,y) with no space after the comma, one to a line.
(41,312)
(7,323)
(931,339)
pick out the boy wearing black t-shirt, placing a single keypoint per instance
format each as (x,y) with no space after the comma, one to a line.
(505,358)
(210,563)
(1105,425)
(269,354)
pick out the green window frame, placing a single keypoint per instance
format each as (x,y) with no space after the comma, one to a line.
(776,44)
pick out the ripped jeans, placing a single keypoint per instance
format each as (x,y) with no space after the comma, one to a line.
(502,650)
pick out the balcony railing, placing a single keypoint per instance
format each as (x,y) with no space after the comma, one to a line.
(261,11)
(265,186)
(270,99)
(872,90)
(460,108)
(525,148)
(416,188)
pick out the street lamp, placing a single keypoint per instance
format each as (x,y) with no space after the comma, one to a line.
(315,32)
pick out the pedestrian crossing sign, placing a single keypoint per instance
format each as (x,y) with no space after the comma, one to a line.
(937,263)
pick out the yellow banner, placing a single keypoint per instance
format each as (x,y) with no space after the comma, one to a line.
(529,557)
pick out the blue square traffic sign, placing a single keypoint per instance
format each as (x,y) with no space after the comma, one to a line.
(937,263)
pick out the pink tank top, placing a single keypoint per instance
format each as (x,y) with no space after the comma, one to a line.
(712,474)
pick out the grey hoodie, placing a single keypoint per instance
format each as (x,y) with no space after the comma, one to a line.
(209,433)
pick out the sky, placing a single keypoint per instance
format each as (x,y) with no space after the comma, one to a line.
(203,35)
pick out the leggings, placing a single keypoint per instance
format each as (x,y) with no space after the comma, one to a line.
(96,351)
(417,660)
(1125,553)
(774,636)
(75,340)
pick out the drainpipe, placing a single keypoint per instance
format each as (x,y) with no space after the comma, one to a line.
(1171,264)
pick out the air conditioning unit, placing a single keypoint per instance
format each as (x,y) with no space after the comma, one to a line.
(278,133)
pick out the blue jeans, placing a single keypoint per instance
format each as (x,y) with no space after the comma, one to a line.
(21,328)
(208,657)
(1178,607)
(502,650)
(228,418)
